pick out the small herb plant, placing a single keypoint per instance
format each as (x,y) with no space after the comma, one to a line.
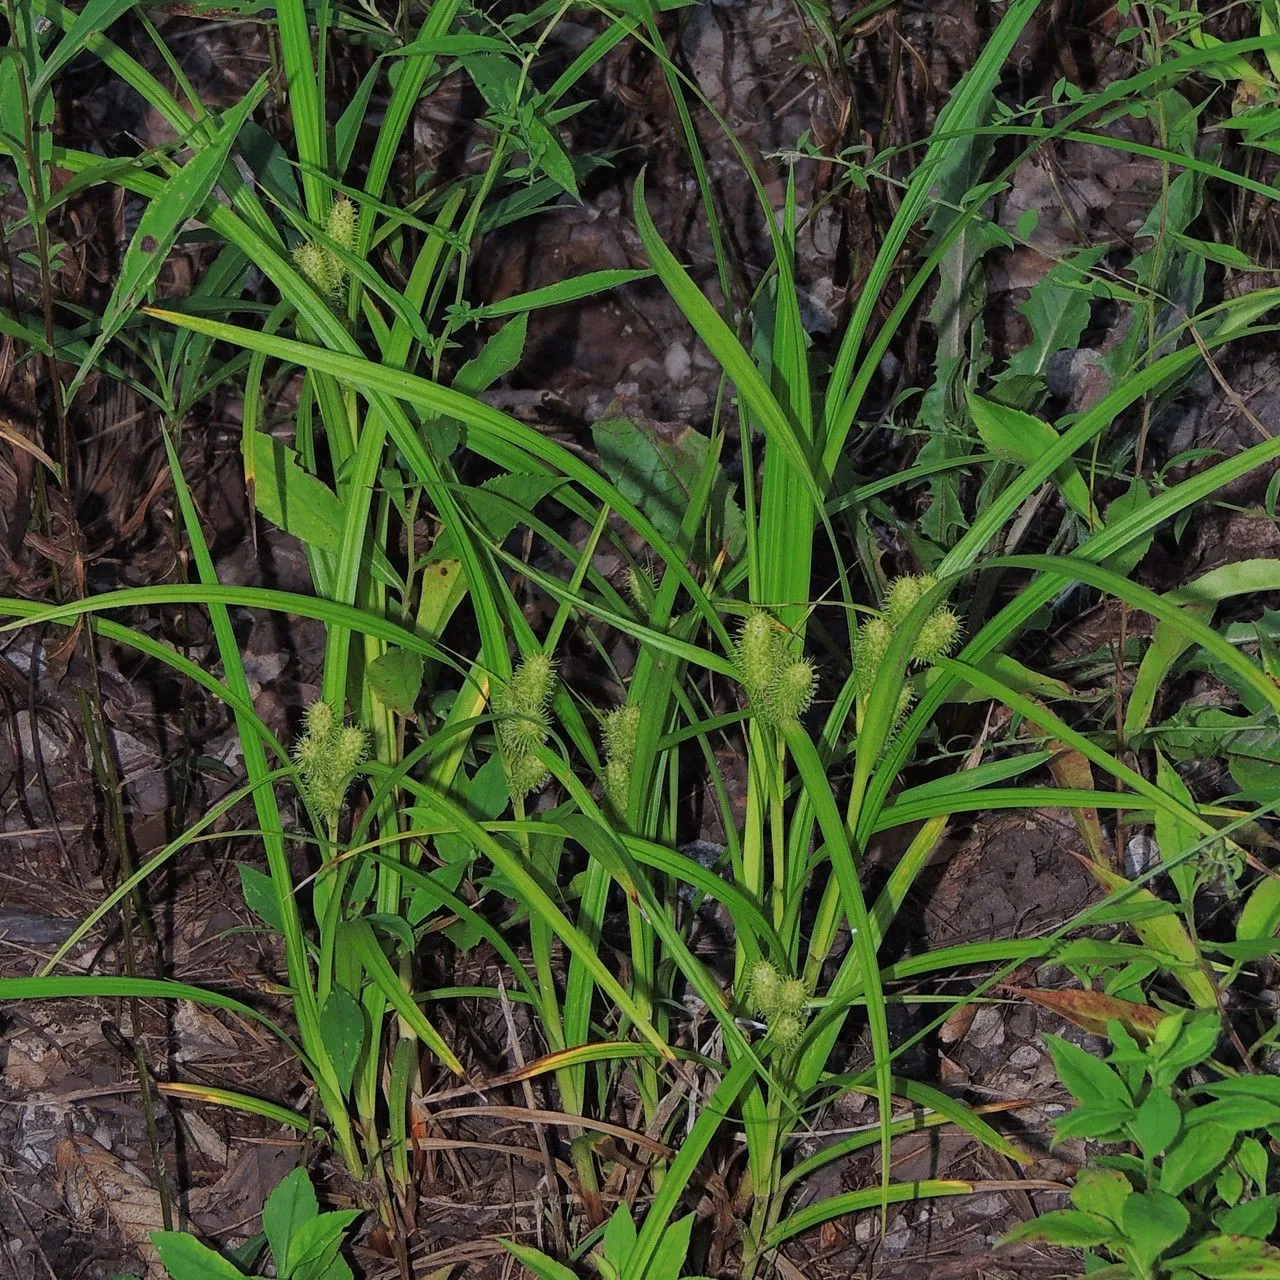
(305,1244)
(615,1259)
(1189,1197)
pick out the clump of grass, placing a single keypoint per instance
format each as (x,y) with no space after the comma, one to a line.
(368,304)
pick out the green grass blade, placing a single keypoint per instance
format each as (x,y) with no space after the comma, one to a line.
(841,405)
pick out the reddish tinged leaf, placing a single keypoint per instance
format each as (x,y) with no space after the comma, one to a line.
(1231,1258)
(1092,1010)
(1072,771)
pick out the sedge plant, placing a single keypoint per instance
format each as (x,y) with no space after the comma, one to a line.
(371,288)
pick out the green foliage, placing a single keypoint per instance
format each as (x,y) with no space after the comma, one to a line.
(327,754)
(1195,1198)
(764,583)
(304,1242)
(616,1257)
(520,708)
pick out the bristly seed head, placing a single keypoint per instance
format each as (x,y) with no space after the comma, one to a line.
(763,983)
(792,692)
(758,651)
(938,635)
(522,723)
(327,754)
(874,638)
(904,594)
(342,224)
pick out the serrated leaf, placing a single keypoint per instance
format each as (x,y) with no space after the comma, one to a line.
(291,497)
(301,504)
(498,506)
(1058,311)
(1134,499)
(499,356)
(656,465)
(1226,255)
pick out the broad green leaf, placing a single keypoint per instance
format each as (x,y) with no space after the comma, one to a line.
(185,1258)
(1156,1123)
(1237,1111)
(342,1029)
(1255,1218)
(1260,916)
(300,503)
(1201,1150)
(290,1204)
(291,497)
(260,897)
(619,1235)
(1153,1222)
(1231,1258)
(1088,1079)
(1068,1227)
(1023,438)
(1101,1192)
(314,1244)
(669,1257)
(396,679)
(1101,1121)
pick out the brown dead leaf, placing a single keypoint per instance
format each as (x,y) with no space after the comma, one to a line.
(957,1025)
(201,1035)
(1072,772)
(1092,1010)
(93,1180)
